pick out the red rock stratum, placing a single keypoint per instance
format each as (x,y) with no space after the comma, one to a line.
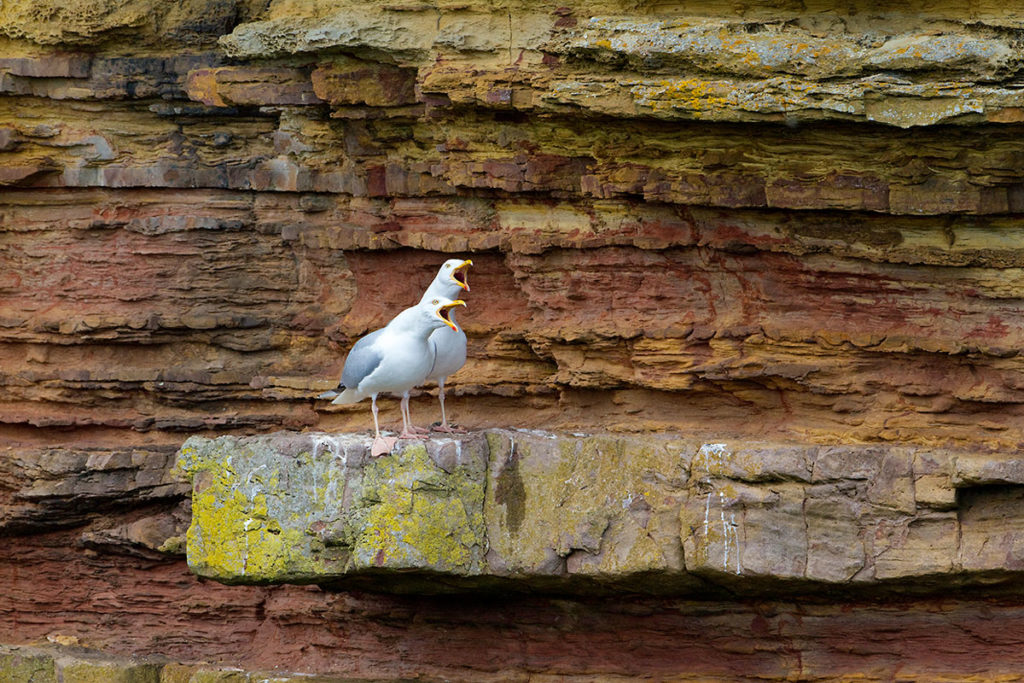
(790,228)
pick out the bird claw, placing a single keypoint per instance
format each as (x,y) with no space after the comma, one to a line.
(382,445)
(413,435)
(418,430)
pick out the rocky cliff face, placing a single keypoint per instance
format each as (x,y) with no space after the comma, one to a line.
(787,228)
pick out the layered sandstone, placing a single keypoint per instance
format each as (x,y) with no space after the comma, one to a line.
(788,228)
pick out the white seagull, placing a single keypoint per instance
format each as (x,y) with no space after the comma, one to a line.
(394,359)
(448,343)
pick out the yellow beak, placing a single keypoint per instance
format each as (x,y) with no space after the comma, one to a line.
(442,312)
(460,277)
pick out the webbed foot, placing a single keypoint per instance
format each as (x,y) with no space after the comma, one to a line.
(382,445)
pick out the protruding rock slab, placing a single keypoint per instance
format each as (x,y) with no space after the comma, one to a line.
(76,664)
(315,507)
(652,513)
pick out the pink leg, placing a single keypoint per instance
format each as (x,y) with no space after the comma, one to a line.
(408,432)
(413,429)
(381,444)
(445,427)
(376,423)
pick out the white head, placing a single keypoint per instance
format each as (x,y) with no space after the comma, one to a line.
(450,280)
(427,316)
(438,311)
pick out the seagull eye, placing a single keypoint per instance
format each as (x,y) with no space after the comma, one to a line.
(435,302)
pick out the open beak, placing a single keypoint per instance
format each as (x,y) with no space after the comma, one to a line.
(460,276)
(444,313)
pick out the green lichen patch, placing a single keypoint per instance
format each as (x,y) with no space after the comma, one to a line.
(48,664)
(593,505)
(253,501)
(414,514)
(315,507)
(20,665)
(113,671)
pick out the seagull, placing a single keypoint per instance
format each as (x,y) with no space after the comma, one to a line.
(448,343)
(394,359)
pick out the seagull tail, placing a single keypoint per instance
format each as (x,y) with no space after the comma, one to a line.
(328,394)
(348,396)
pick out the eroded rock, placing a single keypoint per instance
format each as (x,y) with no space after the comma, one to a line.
(51,488)
(314,507)
(654,513)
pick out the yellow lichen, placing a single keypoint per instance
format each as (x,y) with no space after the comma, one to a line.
(420,516)
(259,519)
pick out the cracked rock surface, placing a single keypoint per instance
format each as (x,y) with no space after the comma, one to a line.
(659,514)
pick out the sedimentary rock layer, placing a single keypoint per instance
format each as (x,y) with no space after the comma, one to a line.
(226,230)
(214,309)
(793,224)
(665,515)
(129,605)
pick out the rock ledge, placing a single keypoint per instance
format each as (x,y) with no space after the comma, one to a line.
(660,514)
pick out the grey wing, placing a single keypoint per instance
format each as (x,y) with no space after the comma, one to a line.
(362,360)
(432,345)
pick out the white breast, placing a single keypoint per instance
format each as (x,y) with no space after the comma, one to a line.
(450,352)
